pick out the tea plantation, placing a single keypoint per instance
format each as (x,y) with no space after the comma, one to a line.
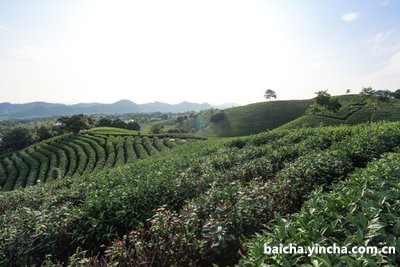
(205,202)
(71,155)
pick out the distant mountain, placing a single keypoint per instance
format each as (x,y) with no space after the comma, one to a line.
(43,109)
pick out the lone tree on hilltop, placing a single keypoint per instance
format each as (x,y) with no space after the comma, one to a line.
(324,102)
(269,94)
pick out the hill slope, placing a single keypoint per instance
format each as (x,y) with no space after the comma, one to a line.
(259,117)
(249,119)
(71,155)
(353,111)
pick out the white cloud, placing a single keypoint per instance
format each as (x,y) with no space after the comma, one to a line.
(348,17)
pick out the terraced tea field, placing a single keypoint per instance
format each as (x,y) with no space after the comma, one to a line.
(70,155)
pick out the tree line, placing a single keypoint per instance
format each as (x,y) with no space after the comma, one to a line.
(21,137)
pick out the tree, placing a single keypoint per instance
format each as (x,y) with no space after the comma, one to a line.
(76,123)
(118,123)
(156,129)
(104,122)
(269,94)
(384,94)
(133,125)
(44,132)
(374,99)
(324,102)
(180,119)
(16,139)
(396,94)
(348,91)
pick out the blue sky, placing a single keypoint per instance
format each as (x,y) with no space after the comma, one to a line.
(200,51)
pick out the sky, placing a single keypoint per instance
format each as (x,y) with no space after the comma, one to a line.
(199,51)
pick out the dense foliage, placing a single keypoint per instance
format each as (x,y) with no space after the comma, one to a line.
(189,206)
(363,210)
(217,117)
(76,123)
(20,137)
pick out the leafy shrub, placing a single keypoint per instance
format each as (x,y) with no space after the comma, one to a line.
(208,229)
(362,210)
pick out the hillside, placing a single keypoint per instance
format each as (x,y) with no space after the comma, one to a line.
(245,120)
(353,111)
(259,117)
(193,205)
(72,155)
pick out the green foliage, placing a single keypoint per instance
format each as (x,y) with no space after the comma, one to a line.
(3,175)
(12,174)
(76,123)
(148,146)
(104,122)
(23,171)
(374,99)
(363,210)
(159,145)
(44,132)
(130,152)
(133,125)
(119,148)
(324,102)
(396,94)
(118,123)
(156,129)
(269,94)
(192,205)
(253,118)
(218,117)
(71,155)
(17,138)
(354,110)
(33,166)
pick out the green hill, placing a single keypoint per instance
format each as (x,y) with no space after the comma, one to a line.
(245,120)
(71,155)
(259,117)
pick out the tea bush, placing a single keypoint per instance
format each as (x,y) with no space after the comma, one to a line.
(363,210)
